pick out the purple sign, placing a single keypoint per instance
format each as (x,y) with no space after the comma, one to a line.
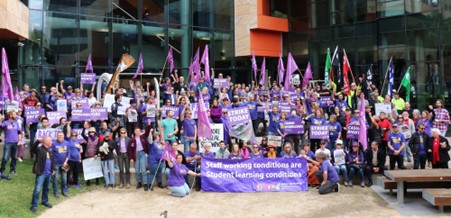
(293,98)
(254,175)
(32,115)
(41,133)
(88,78)
(220,83)
(285,107)
(55,116)
(175,109)
(99,113)
(294,127)
(324,100)
(319,132)
(353,131)
(84,103)
(262,108)
(87,114)
(238,116)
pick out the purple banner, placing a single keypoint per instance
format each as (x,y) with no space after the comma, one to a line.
(88,78)
(220,83)
(319,132)
(55,116)
(87,114)
(238,116)
(294,127)
(353,131)
(41,133)
(254,175)
(84,103)
(175,109)
(32,115)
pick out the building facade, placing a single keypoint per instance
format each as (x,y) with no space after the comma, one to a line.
(62,33)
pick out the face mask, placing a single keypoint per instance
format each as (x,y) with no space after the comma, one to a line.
(293,113)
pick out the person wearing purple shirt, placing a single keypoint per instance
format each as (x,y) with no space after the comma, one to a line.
(189,127)
(316,119)
(74,154)
(252,106)
(327,176)
(207,152)
(154,161)
(274,117)
(355,160)
(13,139)
(176,182)
(216,111)
(192,157)
(43,169)
(61,157)
(288,151)
(396,143)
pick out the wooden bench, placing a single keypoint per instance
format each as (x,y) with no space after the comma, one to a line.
(438,197)
(391,185)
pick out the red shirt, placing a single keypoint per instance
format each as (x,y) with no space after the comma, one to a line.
(385,124)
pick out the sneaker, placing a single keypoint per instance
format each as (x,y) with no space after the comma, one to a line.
(346,183)
(47,205)
(77,185)
(139,185)
(5,176)
(369,184)
(33,210)
(121,185)
(337,188)
(20,159)
(13,172)
(350,184)
(56,196)
(362,184)
(128,186)
(65,194)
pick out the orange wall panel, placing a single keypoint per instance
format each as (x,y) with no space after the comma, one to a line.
(266,43)
(272,23)
(263,7)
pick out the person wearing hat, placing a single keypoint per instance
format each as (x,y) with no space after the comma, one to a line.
(355,160)
(92,143)
(374,162)
(271,150)
(107,151)
(32,98)
(398,102)
(339,157)
(396,143)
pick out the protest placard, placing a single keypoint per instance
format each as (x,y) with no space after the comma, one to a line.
(220,83)
(61,105)
(88,78)
(32,114)
(294,127)
(55,116)
(217,135)
(88,114)
(319,131)
(109,100)
(381,107)
(52,133)
(277,140)
(174,109)
(12,106)
(150,109)
(84,103)
(238,116)
(254,175)
(92,168)
(353,131)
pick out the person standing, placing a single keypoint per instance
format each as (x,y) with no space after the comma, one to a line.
(438,146)
(107,153)
(418,145)
(169,128)
(123,158)
(42,167)
(440,118)
(396,143)
(189,128)
(61,158)
(138,147)
(13,139)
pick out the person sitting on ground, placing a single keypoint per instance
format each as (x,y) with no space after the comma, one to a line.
(374,162)
(223,152)
(340,161)
(235,154)
(288,151)
(176,181)
(272,152)
(355,160)
(327,176)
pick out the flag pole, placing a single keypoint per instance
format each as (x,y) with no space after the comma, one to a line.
(385,77)
(301,74)
(164,66)
(400,85)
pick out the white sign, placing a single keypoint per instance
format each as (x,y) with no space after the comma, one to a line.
(92,168)
(277,140)
(217,135)
(121,110)
(295,79)
(12,106)
(150,109)
(381,107)
(109,100)
(61,105)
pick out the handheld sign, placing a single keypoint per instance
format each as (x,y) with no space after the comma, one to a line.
(319,132)
(88,78)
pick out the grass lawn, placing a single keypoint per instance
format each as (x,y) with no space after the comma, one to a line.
(15,195)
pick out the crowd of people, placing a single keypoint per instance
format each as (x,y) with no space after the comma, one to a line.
(131,137)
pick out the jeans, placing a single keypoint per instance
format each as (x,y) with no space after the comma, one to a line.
(140,167)
(344,171)
(152,170)
(328,187)
(108,172)
(197,178)
(396,159)
(419,161)
(443,133)
(179,191)
(58,170)
(187,143)
(331,146)
(9,151)
(352,169)
(42,182)
(407,150)
(123,161)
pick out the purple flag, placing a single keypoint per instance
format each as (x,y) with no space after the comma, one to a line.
(254,65)
(307,76)
(262,79)
(17,95)
(89,65)
(7,89)
(140,66)
(206,61)
(362,136)
(280,70)
(170,59)
(291,67)
(196,65)
(203,124)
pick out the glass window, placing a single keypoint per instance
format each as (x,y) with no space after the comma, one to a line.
(423,45)
(366,29)
(98,7)
(391,24)
(94,40)
(414,6)
(61,5)
(154,55)
(175,9)
(422,20)
(388,8)
(365,10)
(125,40)
(367,54)
(319,14)
(153,11)
(279,8)
(224,15)
(202,13)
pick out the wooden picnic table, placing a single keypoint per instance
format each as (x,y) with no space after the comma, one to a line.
(403,176)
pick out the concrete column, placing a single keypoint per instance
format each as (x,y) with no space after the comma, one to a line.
(185,44)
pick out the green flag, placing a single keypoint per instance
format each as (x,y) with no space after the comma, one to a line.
(327,69)
(406,83)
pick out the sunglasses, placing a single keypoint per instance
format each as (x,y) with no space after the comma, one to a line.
(421,128)
(122,132)
(74,135)
(255,147)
